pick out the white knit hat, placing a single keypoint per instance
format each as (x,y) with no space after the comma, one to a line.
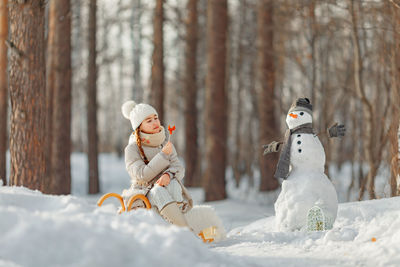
(136,113)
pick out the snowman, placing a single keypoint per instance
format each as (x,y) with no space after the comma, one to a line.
(308,200)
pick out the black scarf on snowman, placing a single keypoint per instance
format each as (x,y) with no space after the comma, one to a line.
(282,169)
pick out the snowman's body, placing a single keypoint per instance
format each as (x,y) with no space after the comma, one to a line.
(306,185)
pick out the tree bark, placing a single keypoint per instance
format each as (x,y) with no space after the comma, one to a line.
(216,101)
(50,73)
(238,160)
(368,114)
(59,86)
(265,88)
(191,150)
(27,93)
(136,33)
(157,69)
(118,142)
(312,42)
(395,112)
(3,88)
(94,186)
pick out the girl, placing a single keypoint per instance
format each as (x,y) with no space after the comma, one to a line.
(153,164)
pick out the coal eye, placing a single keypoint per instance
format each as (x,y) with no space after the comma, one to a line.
(301,113)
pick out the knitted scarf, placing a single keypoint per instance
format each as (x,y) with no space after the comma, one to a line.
(282,169)
(152,140)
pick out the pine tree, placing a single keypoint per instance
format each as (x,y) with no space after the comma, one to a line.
(191,151)
(58,178)
(27,93)
(3,88)
(216,101)
(157,69)
(94,186)
(265,87)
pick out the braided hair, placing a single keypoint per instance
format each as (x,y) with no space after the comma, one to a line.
(139,144)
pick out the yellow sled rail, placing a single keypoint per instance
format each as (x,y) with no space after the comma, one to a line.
(108,195)
(131,200)
(136,197)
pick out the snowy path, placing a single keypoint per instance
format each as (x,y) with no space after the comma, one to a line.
(41,230)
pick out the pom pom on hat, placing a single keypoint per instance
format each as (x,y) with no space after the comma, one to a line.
(127,107)
(137,113)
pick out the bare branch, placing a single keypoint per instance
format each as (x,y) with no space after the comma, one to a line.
(397,5)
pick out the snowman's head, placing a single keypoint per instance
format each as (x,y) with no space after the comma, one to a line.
(297,118)
(299,113)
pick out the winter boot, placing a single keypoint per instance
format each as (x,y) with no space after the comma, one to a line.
(205,223)
(173,214)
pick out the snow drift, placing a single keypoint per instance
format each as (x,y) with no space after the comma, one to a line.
(43,230)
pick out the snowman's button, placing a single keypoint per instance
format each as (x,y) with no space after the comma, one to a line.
(299,142)
(298,135)
(299,150)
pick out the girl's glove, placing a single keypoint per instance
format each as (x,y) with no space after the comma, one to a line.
(336,130)
(272,147)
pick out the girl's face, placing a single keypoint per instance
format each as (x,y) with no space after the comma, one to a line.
(150,125)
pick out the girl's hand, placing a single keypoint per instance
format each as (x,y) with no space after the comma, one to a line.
(163,180)
(167,149)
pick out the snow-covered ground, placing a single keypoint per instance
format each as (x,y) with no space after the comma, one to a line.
(43,230)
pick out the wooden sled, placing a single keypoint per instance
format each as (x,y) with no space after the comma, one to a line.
(205,232)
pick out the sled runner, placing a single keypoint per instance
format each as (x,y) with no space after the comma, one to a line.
(134,202)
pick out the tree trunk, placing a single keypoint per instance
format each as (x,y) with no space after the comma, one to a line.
(368,108)
(395,100)
(51,23)
(238,160)
(27,93)
(118,136)
(136,32)
(252,158)
(265,88)
(191,151)
(79,67)
(312,42)
(3,88)
(216,101)
(398,160)
(59,98)
(157,69)
(94,186)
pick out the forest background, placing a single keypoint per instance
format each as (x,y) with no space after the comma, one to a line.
(224,72)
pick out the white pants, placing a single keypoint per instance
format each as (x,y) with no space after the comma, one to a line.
(160,196)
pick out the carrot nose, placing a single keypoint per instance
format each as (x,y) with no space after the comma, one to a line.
(293,115)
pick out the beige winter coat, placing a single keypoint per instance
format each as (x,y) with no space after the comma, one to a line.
(142,175)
